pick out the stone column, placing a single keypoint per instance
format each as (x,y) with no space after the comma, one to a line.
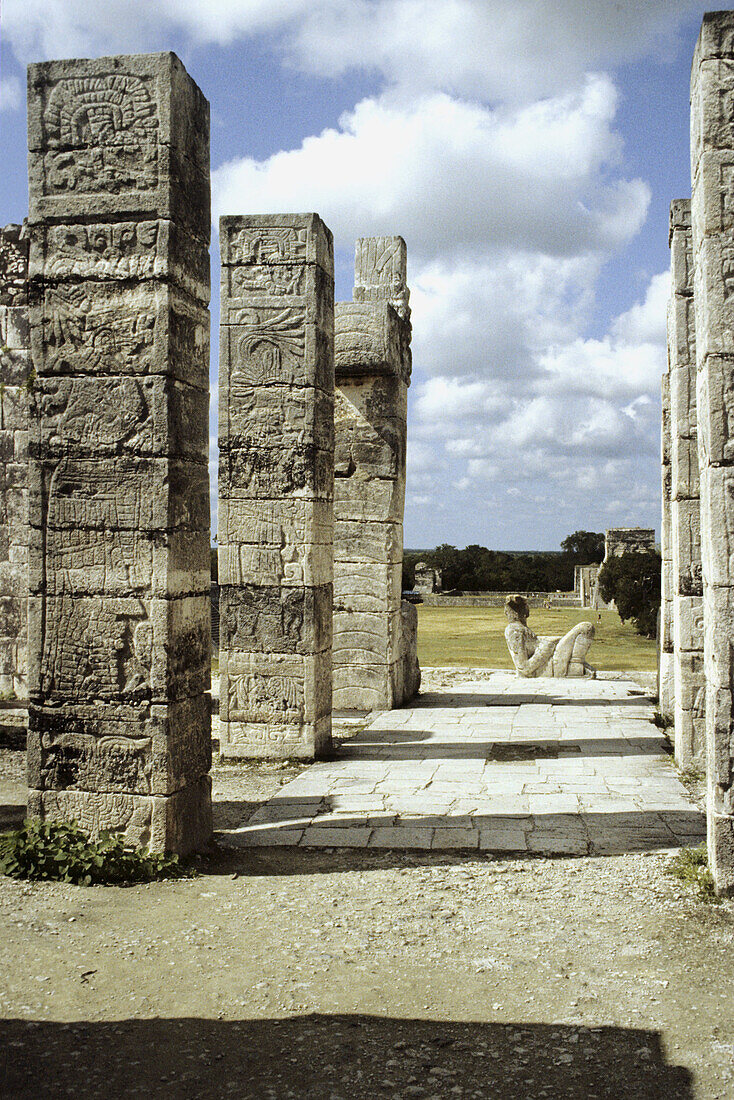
(712,216)
(15,380)
(666,685)
(375,666)
(119,619)
(690,690)
(276,485)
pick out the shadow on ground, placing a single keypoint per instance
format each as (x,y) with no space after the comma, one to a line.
(318,1057)
(439,700)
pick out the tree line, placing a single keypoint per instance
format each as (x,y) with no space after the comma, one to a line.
(477,569)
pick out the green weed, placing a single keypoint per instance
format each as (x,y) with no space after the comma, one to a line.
(691,867)
(63,852)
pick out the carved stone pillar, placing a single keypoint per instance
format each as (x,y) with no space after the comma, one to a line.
(15,381)
(666,674)
(689,681)
(119,618)
(712,217)
(375,659)
(276,485)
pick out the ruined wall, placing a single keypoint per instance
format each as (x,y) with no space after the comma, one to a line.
(375,654)
(625,540)
(15,379)
(119,617)
(276,478)
(712,218)
(689,683)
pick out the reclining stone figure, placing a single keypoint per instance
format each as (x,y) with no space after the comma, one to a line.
(545,656)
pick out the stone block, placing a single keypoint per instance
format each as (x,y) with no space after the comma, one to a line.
(690,739)
(712,86)
(717,524)
(181,822)
(121,250)
(282,418)
(291,565)
(376,400)
(712,205)
(690,682)
(688,623)
(364,448)
(263,300)
(275,240)
(714,297)
(13,268)
(118,649)
(276,689)
(274,346)
(720,833)
(97,561)
(368,541)
(259,472)
(17,331)
(101,329)
(285,542)
(715,401)
(361,687)
(686,548)
(718,604)
(381,271)
(365,499)
(369,340)
(270,619)
(265,741)
(685,479)
(118,135)
(363,634)
(118,748)
(129,494)
(114,415)
(365,586)
(15,367)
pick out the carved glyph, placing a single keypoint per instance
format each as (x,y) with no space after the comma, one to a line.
(101,135)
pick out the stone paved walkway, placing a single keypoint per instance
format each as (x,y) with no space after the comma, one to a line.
(495,764)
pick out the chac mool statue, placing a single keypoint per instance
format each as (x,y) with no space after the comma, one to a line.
(545,656)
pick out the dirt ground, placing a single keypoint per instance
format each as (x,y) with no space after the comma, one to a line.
(341,975)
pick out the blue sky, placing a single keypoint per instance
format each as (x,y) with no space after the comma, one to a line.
(527,150)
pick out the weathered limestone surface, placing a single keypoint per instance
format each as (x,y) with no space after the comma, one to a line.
(375,656)
(276,486)
(118,573)
(666,670)
(15,379)
(687,591)
(712,216)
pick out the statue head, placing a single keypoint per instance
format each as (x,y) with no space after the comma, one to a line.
(517,609)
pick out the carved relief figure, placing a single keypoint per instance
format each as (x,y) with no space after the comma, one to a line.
(120,249)
(545,656)
(101,134)
(268,244)
(84,335)
(273,342)
(276,697)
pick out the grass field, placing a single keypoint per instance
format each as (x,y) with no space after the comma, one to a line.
(473,637)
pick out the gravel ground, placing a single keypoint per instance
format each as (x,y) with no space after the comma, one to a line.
(341,975)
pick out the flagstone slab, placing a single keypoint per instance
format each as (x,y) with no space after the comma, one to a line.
(551,767)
